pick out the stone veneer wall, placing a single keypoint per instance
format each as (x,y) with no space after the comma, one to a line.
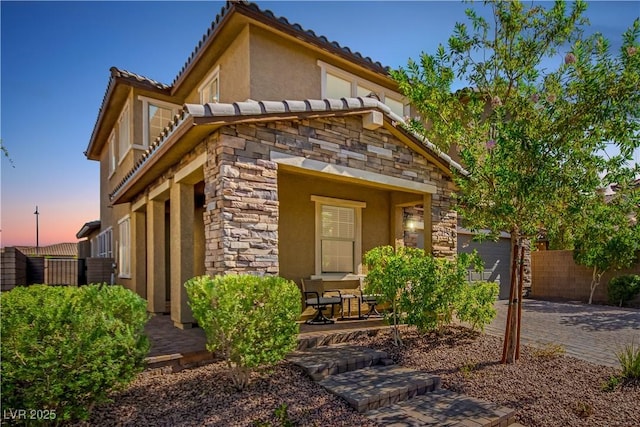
(241,215)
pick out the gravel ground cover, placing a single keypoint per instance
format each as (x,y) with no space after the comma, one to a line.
(545,387)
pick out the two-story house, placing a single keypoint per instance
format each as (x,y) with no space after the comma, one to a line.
(274,151)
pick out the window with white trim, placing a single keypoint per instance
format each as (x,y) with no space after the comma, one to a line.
(210,90)
(124,248)
(113,160)
(337,83)
(338,235)
(156,115)
(124,131)
(104,244)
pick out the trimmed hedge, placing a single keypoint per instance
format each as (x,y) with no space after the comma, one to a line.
(64,349)
(249,320)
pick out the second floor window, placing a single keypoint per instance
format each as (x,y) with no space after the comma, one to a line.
(124,131)
(156,115)
(210,90)
(113,160)
(337,83)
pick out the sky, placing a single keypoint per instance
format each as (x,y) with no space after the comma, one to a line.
(55,59)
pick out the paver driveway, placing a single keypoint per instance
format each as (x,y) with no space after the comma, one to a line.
(589,332)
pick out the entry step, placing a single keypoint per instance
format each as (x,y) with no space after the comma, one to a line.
(443,408)
(321,362)
(379,386)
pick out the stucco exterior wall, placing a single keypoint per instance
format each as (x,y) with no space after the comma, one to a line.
(281,69)
(297,216)
(234,72)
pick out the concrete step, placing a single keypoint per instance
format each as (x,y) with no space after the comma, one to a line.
(320,362)
(378,386)
(443,408)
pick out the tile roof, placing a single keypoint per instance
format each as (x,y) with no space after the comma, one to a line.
(115,74)
(228,113)
(268,15)
(56,250)
(248,8)
(87,228)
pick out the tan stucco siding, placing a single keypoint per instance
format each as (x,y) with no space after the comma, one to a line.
(286,69)
(297,219)
(233,72)
(281,69)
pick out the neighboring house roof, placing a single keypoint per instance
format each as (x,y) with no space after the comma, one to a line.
(57,250)
(121,77)
(196,115)
(88,228)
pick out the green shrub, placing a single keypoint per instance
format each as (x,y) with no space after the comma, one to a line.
(425,291)
(623,288)
(65,349)
(250,320)
(629,358)
(476,304)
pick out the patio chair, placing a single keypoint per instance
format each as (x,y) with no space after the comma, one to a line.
(371,300)
(316,296)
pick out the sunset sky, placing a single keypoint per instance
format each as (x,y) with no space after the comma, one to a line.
(56,56)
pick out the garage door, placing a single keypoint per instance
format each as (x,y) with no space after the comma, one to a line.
(495,256)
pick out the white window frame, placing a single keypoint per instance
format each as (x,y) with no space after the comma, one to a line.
(356,81)
(145,116)
(126,111)
(105,243)
(213,75)
(124,248)
(113,155)
(357,247)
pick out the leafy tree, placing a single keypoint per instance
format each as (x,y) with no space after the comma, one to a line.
(427,292)
(608,235)
(530,137)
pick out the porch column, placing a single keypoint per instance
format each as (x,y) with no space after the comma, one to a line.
(156,280)
(138,255)
(428,227)
(182,251)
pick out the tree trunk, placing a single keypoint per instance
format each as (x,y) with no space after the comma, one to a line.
(595,281)
(512,328)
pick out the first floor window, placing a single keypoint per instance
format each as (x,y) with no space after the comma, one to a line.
(337,239)
(104,247)
(124,248)
(338,235)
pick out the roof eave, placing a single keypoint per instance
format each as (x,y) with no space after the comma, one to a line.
(115,82)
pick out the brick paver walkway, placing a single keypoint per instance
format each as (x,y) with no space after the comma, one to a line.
(589,332)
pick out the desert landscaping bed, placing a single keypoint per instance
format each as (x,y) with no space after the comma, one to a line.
(545,387)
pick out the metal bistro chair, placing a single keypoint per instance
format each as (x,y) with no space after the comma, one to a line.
(371,300)
(314,296)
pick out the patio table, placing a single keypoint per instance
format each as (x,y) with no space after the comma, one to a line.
(348,298)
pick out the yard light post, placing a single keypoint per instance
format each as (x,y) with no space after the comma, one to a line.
(36,213)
